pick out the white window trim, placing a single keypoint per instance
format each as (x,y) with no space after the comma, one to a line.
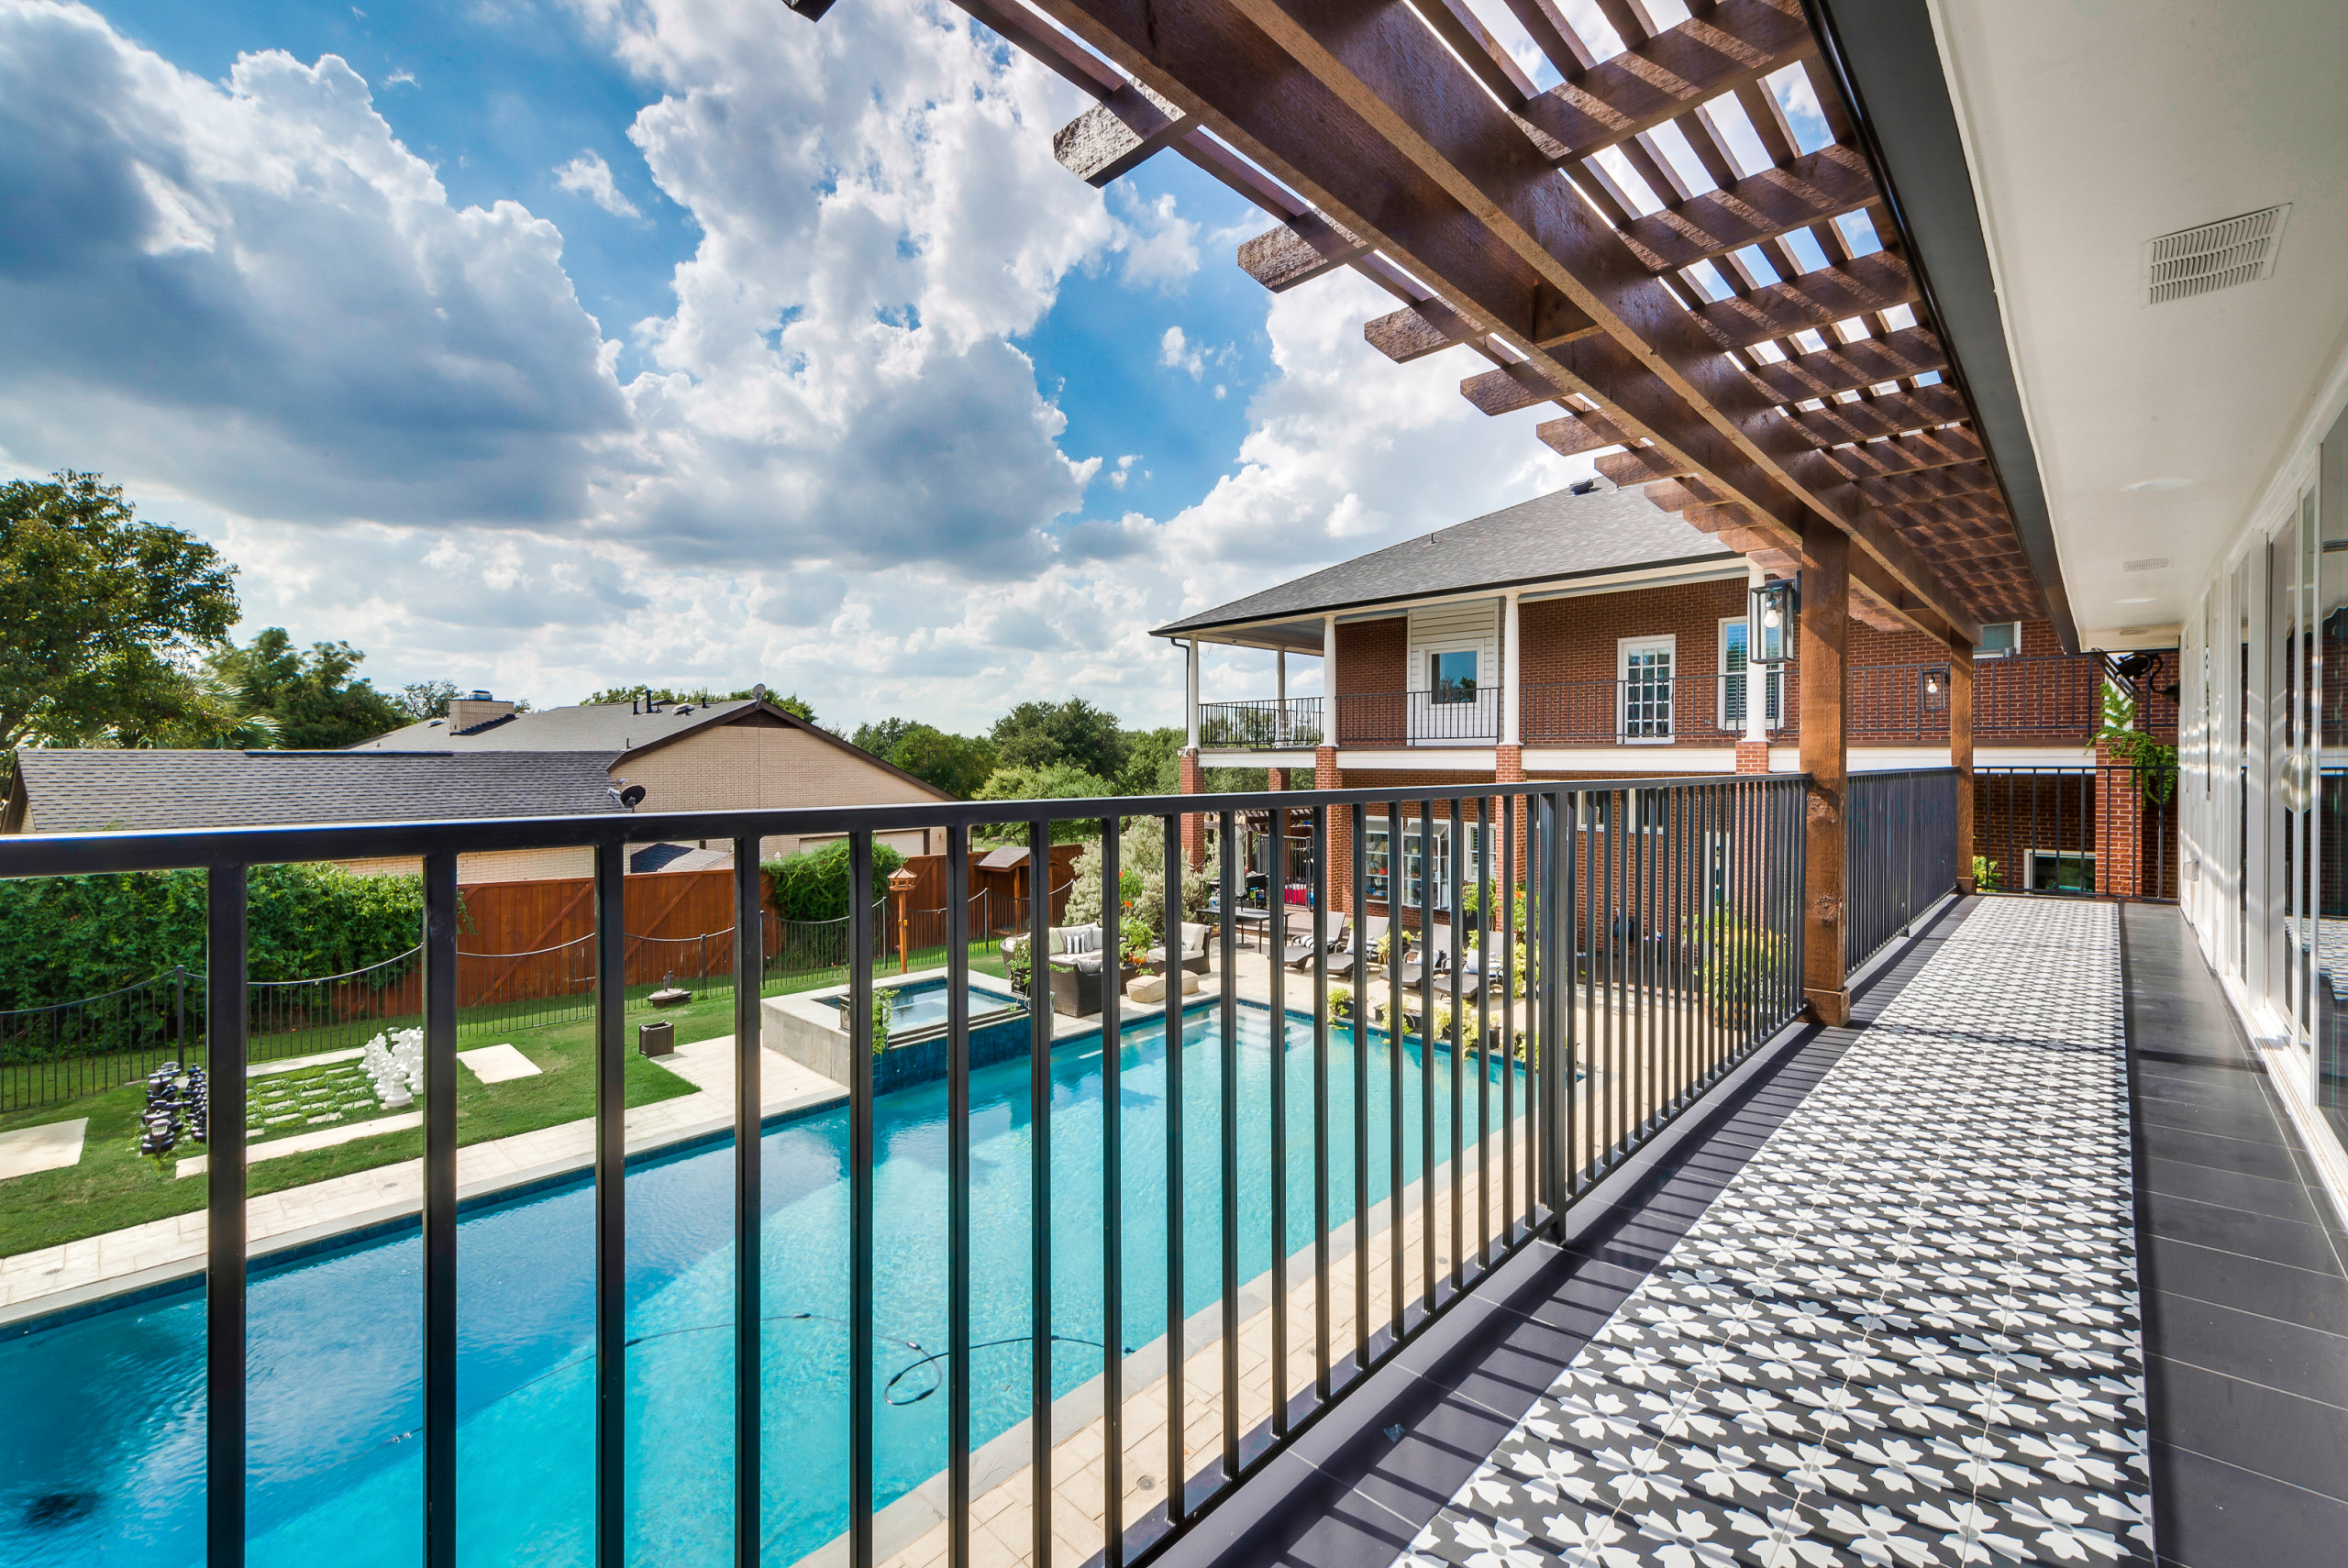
(1429,652)
(1376,828)
(1765,674)
(2013,652)
(1624,649)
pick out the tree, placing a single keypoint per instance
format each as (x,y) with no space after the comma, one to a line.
(795,705)
(101,615)
(1153,762)
(1072,734)
(959,765)
(880,739)
(1062,782)
(427,698)
(315,702)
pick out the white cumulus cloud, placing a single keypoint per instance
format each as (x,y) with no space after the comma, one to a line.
(589,176)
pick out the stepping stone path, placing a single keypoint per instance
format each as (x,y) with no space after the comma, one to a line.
(498,1063)
(50,1147)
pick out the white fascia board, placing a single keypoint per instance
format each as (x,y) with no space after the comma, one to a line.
(1212,756)
(1617,761)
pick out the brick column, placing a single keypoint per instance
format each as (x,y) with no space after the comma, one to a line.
(2119,828)
(1275,778)
(1327,775)
(1194,782)
(1753,756)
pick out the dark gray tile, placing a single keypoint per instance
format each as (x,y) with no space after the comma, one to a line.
(2251,1121)
(2245,1155)
(2299,1243)
(2304,1296)
(2208,1514)
(2262,1429)
(2224,1340)
(2285,1199)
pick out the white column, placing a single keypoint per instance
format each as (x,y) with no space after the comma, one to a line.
(1756,707)
(1512,675)
(1279,696)
(1328,681)
(1191,694)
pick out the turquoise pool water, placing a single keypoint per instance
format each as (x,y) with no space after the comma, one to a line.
(920,1004)
(101,1456)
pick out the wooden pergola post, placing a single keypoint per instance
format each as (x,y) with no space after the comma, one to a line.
(1824,620)
(1960,755)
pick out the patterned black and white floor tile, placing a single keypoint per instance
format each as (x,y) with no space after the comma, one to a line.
(1905,1335)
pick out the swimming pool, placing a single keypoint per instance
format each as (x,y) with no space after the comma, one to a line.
(102,1457)
(921,1004)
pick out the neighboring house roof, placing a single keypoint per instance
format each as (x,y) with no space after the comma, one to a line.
(679,857)
(608,727)
(620,730)
(1554,537)
(93,791)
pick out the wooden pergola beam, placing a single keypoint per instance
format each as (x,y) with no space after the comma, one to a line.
(1817,187)
(1943,447)
(1116,135)
(1932,484)
(1813,302)
(1835,421)
(1364,110)
(1844,366)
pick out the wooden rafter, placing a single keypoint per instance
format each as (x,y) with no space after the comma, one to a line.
(1699,336)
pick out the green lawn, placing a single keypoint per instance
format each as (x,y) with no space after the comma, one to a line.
(113,1186)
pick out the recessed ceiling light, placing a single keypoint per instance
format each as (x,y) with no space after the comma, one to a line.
(2135,602)
(2169,483)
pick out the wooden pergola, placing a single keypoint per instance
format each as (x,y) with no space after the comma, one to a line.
(1809,416)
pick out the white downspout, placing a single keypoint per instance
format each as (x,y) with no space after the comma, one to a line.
(1279,694)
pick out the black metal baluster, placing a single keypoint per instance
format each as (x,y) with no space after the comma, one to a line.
(611,1204)
(1320,894)
(749,1105)
(862,1216)
(1454,895)
(1039,1218)
(1113,1255)
(224,1181)
(1171,910)
(1427,886)
(957,1194)
(1508,1052)
(1396,892)
(442,914)
(1359,1029)
(1485,965)
(1276,962)
(1227,1089)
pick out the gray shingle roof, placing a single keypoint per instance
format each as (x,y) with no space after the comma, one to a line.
(609,727)
(92,792)
(1554,536)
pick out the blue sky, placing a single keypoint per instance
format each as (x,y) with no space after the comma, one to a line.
(552,346)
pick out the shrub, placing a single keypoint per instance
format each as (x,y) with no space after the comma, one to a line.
(62,938)
(813,884)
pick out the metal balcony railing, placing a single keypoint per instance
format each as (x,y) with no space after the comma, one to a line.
(1419,718)
(1460,1102)
(1700,710)
(1260,727)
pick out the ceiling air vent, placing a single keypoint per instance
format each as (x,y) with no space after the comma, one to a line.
(2215,255)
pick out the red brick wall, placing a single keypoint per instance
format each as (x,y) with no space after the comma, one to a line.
(1372,654)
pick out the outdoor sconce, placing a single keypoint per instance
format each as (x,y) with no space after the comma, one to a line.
(1777,602)
(901,882)
(1931,685)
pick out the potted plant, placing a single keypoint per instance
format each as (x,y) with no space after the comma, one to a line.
(1019,968)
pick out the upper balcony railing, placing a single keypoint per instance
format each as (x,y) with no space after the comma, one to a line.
(1260,727)
(2053,698)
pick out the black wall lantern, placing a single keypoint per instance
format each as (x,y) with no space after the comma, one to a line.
(1774,605)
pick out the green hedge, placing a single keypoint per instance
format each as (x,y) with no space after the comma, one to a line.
(813,884)
(62,938)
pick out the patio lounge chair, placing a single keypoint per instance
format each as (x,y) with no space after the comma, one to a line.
(1301,947)
(1194,950)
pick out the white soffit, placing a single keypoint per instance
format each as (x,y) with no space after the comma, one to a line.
(2092,130)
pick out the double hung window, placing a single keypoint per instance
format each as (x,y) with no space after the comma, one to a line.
(1736,680)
